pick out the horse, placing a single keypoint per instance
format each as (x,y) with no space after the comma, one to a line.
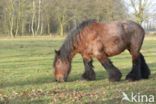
(92,39)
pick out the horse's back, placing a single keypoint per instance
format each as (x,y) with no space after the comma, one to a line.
(120,35)
(110,39)
(113,38)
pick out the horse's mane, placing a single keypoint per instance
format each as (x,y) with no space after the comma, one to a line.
(68,44)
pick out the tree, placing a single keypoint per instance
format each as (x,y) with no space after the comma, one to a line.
(11,17)
(141,9)
(36,17)
(33,17)
(39,17)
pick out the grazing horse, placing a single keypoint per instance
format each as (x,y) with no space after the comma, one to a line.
(100,40)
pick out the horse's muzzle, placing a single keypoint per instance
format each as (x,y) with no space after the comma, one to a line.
(61,79)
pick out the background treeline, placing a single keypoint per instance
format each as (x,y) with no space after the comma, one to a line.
(49,17)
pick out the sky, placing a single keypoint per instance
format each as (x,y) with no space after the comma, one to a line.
(152,4)
(151,8)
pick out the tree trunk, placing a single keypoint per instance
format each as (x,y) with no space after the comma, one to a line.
(11,27)
(11,19)
(17,27)
(39,16)
(33,18)
(41,30)
(61,29)
(61,25)
(18,18)
(48,30)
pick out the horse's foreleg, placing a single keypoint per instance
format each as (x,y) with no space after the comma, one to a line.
(89,73)
(114,73)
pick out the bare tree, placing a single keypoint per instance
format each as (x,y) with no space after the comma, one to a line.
(141,9)
(33,17)
(11,16)
(39,17)
(18,10)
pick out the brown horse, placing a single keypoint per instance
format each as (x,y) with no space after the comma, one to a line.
(99,40)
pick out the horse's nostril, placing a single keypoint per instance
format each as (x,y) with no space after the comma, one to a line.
(59,79)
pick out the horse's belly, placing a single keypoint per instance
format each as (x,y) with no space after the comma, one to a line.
(114,46)
(114,49)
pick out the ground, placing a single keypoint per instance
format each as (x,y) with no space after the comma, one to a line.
(26,75)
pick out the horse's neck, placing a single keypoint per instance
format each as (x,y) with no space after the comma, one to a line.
(67,49)
(67,54)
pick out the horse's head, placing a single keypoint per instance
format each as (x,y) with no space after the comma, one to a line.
(61,67)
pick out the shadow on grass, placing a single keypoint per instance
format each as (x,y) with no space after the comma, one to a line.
(100,75)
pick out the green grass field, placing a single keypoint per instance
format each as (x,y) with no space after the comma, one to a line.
(26,75)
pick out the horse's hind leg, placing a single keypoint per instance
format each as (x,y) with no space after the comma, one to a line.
(89,73)
(145,71)
(135,73)
(140,69)
(114,73)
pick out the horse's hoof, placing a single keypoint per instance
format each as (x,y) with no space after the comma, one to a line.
(88,79)
(89,76)
(131,77)
(115,76)
(113,80)
(84,79)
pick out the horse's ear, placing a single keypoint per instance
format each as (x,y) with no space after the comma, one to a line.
(57,51)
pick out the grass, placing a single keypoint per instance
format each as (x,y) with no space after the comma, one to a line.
(26,75)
